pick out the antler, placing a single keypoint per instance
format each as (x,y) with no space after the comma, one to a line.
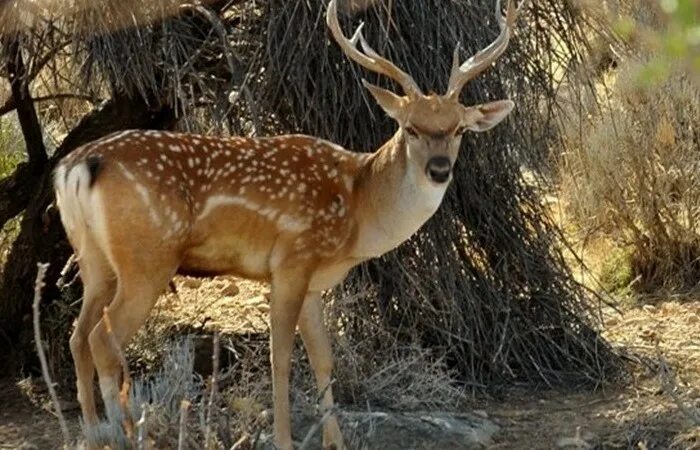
(472,67)
(369,59)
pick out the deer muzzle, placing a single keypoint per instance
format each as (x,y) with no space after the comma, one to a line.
(438,169)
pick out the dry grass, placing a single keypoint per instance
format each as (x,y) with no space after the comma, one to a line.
(376,367)
(394,375)
(629,171)
(369,376)
(632,172)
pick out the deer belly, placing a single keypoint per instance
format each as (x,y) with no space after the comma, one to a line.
(230,255)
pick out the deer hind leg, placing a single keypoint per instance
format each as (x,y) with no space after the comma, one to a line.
(137,292)
(288,292)
(99,286)
(318,347)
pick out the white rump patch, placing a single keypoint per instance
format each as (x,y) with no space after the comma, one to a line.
(80,206)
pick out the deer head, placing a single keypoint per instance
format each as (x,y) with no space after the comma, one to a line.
(432,125)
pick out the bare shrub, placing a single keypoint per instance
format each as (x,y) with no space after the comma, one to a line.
(375,367)
(160,395)
(633,170)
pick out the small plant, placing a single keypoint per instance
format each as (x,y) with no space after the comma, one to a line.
(11,146)
(616,274)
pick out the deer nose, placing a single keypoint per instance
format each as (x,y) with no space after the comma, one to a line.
(438,169)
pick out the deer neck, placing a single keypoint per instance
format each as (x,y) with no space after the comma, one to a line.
(395,198)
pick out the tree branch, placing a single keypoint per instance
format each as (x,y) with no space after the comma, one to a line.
(11,105)
(26,113)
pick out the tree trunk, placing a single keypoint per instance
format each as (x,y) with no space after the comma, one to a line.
(42,238)
(26,113)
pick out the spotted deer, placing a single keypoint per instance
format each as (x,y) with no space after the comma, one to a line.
(295,211)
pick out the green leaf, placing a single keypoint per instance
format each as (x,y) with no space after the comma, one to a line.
(625,27)
(654,73)
(686,13)
(676,45)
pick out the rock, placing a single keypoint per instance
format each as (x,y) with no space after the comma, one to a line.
(611,321)
(69,405)
(190,283)
(259,300)
(649,308)
(481,413)
(229,290)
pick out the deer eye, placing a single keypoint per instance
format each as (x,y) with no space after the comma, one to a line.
(411,132)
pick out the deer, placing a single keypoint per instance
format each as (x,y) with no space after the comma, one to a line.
(295,211)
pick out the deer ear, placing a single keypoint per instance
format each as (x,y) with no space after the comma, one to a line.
(484,117)
(391,103)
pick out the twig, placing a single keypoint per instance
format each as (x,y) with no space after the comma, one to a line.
(61,283)
(241,442)
(182,434)
(127,421)
(142,426)
(256,438)
(38,286)
(210,405)
(11,105)
(221,31)
(314,429)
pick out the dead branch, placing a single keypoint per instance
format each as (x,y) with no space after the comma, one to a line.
(38,286)
(10,105)
(314,429)
(142,426)
(182,434)
(61,283)
(26,113)
(212,394)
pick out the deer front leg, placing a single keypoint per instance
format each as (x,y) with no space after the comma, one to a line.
(318,347)
(288,292)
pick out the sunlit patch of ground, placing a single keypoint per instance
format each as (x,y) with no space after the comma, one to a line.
(641,415)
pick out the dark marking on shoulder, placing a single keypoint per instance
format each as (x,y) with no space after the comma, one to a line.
(94,166)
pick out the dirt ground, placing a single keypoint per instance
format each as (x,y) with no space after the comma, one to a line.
(646,414)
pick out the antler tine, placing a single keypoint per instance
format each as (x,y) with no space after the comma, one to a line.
(455,63)
(369,59)
(472,67)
